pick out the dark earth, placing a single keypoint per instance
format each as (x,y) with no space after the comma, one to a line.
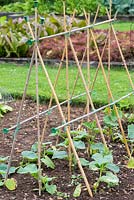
(27,135)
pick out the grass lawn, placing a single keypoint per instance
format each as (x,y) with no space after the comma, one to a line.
(118,25)
(12,79)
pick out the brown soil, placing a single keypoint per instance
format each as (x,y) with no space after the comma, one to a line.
(27,185)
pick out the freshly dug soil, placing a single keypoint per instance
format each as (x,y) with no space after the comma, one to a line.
(28,135)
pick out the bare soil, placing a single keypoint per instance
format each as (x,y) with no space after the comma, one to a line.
(28,135)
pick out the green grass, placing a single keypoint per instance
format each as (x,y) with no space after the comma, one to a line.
(119,26)
(12,79)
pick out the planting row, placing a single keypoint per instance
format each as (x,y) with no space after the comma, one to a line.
(56,6)
(15,34)
(95,157)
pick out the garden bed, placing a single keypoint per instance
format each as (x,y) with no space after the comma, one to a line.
(28,135)
(53,48)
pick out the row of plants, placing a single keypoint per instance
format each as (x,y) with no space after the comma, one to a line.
(15,34)
(56,6)
(99,158)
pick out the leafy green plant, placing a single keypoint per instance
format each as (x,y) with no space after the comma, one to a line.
(121,6)
(9,183)
(111,127)
(13,38)
(55,6)
(4,109)
(92,132)
(29,166)
(33,171)
(103,162)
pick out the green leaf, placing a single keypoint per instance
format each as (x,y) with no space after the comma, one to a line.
(29,155)
(1,183)
(59,155)
(130,164)
(77,191)
(49,30)
(93,166)
(34,147)
(79,144)
(30,168)
(81,135)
(3,169)
(131,131)
(110,179)
(110,122)
(11,184)
(48,162)
(100,159)
(90,125)
(7,108)
(113,167)
(98,146)
(3,159)
(2,20)
(84,162)
(51,189)
(46,179)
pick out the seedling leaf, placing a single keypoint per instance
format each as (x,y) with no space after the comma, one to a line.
(59,155)
(110,179)
(48,162)
(84,162)
(131,131)
(113,167)
(92,166)
(79,144)
(30,168)
(130,164)
(77,191)
(1,183)
(3,169)
(51,189)
(11,184)
(100,159)
(3,159)
(29,155)
(98,146)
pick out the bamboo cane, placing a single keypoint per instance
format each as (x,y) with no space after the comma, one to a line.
(63,118)
(109,90)
(55,83)
(19,115)
(109,50)
(67,86)
(122,56)
(51,99)
(37,102)
(85,86)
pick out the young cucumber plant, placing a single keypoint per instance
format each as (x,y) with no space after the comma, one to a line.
(111,127)
(103,162)
(29,166)
(10,183)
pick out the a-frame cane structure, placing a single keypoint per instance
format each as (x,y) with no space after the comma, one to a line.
(36,58)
